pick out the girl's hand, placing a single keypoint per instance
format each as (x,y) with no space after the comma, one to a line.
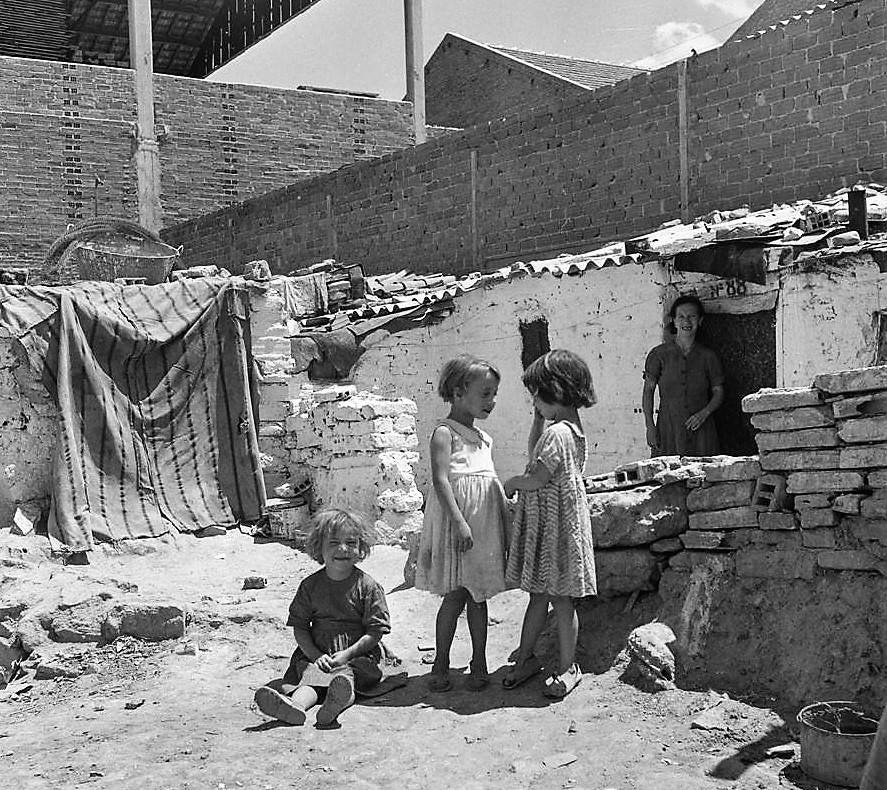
(325,662)
(509,488)
(339,659)
(694,422)
(652,438)
(463,537)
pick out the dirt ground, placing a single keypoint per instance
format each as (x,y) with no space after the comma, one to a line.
(151,715)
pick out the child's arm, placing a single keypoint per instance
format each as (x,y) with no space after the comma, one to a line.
(441,444)
(535,432)
(305,641)
(537,477)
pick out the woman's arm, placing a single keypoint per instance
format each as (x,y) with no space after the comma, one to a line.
(441,444)
(647,404)
(694,421)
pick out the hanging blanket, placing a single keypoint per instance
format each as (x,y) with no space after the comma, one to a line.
(156,405)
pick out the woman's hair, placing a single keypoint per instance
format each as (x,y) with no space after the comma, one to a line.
(561,376)
(332,521)
(460,371)
(687,299)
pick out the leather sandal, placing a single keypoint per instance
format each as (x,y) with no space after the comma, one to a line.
(522,672)
(558,686)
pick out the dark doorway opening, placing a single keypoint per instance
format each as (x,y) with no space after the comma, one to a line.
(534,340)
(746,346)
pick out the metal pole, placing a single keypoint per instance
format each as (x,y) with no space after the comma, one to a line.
(412,13)
(683,142)
(147,156)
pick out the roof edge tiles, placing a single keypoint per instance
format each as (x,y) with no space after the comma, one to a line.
(793,19)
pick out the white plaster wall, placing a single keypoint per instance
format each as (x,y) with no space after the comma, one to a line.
(612,317)
(826,319)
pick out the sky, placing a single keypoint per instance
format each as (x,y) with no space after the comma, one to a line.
(358,45)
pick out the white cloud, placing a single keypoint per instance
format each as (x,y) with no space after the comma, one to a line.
(735,9)
(674,40)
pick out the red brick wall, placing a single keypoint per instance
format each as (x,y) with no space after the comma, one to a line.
(64,125)
(466,84)
(785,116)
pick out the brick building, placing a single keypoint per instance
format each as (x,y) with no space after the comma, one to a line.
(467,83)
(769,13)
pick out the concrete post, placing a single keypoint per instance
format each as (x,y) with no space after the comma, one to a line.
(412,12)
(147,155)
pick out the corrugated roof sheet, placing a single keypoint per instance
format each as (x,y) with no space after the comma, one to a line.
(590,73)
(774,14)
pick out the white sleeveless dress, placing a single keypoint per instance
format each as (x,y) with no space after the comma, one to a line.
(481,499)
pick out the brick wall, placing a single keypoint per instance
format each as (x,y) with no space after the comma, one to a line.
(796,112)
(466,84)
(62,126)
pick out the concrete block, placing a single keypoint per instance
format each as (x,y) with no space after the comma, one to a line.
(860,406)
(769,493)
(862,456)
(793,419)
(731,518)
(777,521)
(818,538)
(847,560)
(779,399)
(864,429)
(814,482)
(721,495)
(787,440)
(812,500)
(641,471)
(637,516)
(787,460)
(723,468)
(858,380)
(776,563)
(846,503)
(818,517)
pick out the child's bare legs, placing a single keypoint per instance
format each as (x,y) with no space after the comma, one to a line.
(534,622)
(567,630)
(477,628)
(286,702)
(444,631)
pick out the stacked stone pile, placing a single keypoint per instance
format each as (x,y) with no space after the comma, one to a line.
(827,445)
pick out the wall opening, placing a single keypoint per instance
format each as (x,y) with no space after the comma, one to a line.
(534,340)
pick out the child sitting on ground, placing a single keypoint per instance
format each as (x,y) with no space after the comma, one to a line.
(339,616)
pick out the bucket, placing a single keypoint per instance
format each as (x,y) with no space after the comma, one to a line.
(111,258)
(836,738)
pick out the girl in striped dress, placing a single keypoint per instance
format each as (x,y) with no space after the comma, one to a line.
(551,555)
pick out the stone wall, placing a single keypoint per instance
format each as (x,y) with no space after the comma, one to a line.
(794,113)
(66,146)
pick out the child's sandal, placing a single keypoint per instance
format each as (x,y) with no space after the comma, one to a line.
(558,686)
(522,672)
(477,680)
(279,706)
(339,695)
(439,681)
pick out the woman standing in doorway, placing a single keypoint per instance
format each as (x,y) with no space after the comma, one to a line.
(691,387)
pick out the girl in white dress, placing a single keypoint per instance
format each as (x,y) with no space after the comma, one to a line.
(463,542)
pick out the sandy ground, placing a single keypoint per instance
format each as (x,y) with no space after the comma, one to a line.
(148,716)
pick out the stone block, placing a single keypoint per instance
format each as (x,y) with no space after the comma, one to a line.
(867,529)
(877,478)
(846,503)
(275,411)
(858,380)
(814,482)
(663,546)
(812,500)
(860,406)
(638,472)
(793,419)
(768,399)
(863,455)
(720,496)
(818,538)
(781,539)
(847,560)
(707,541)
(731,518)
(769,493)
(777,521)
(864,429)
(146,620)
(622,571)
(776,563)
(400,500)
(637,516)
(788,440)
(817,517)
(874,506)
(721,561)
(788,460)
(724,468)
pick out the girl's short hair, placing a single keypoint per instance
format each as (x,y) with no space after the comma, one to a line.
(687,299)
(332,521)
(461,371)
(561,376)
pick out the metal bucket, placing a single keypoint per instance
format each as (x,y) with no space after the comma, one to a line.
(112,258)
(836,738)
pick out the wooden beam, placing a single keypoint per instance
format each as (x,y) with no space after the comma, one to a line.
(415,62)
(147,157)
(683,142)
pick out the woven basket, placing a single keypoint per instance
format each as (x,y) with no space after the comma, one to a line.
(112,257)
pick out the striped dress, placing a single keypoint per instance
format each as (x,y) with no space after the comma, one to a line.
(551,550)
